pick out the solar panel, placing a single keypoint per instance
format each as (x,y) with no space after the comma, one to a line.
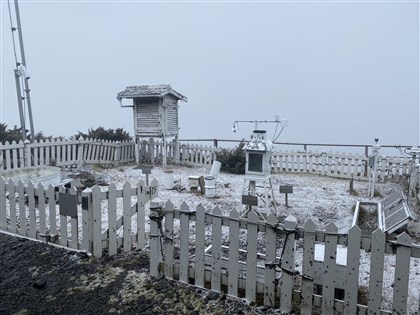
(395,212)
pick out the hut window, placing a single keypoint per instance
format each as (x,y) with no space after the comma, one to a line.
(255,162)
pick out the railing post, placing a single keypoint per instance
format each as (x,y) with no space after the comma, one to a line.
(215,143)
(117,154)
(27,150)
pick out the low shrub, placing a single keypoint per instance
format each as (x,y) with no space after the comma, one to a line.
(232,160)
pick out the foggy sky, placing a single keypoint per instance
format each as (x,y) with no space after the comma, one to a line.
(340,72)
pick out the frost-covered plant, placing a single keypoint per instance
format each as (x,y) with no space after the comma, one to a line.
(232,160)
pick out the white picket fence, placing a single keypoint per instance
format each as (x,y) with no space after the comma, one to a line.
(247,258)
(93,220)
(78,152)
(151,151)
(335,164)
(64,153)
(258,261)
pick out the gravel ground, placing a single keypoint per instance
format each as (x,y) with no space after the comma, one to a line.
(38,278)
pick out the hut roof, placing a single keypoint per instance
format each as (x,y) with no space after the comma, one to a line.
(158,90)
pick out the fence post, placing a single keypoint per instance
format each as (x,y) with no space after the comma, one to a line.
(215,143)
(156,216)
(27,150)
(80,153)
(117,154)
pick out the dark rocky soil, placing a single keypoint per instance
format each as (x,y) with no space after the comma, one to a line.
(38,278)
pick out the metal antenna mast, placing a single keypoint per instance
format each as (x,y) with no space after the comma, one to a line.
(21,72)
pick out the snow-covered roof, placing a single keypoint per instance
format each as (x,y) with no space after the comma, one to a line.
(259,145)
(158,90)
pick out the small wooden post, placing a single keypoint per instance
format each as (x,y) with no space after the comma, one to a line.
(27,150)
(80,153)
(117,154)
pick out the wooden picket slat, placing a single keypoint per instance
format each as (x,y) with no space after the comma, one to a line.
(200,245)
(308,273)
(169,240)
(3,210)
(97,222)
(127,217)
(12,206)
(251,257)
(330,255)
(63,224)
(270,264)
(352,270)
(74,225)
(233,253)
(52,210)
(31,211)
(142,198)
(216,250)
(22,208)
(41,210)
(402,272)
(112,219)
(287,263)
(376,272)
(184,242)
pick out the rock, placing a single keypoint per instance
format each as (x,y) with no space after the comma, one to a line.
(212,295)
(39,284)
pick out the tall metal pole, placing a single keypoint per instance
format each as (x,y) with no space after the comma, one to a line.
(20,105)
(26,79)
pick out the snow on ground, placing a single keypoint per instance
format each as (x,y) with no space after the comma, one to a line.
(320,198)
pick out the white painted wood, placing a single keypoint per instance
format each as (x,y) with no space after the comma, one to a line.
(112,219)
(52,210)
(251,258)
(127,217)
(12,206)
(184,242)
(22,208)
(376,272)
(169,240)
(3,210)
(330,253)
(41,210)
(352,270)
(142,199)
(155,255)
(287,263)
(402,272)
(31,211)
(216,250)
(200,245)
(270,261)
(87,221)
(97,222)
(63,231)
(74,226)
(308,273)
(233,253)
